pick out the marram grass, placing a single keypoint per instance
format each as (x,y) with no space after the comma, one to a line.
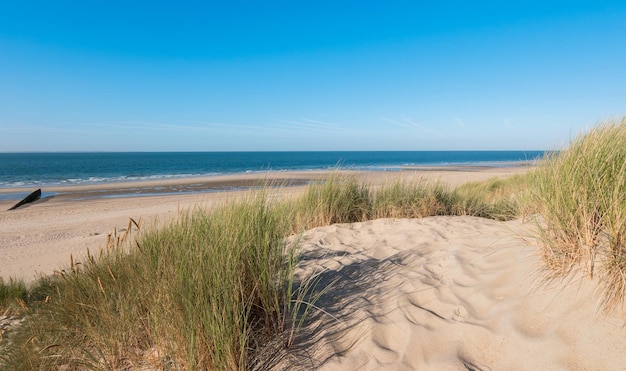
(338,199)
(581,195)
(200,293)
(402,199)
(11,294)
(496,198)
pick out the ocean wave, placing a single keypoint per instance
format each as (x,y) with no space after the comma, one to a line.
(96,180)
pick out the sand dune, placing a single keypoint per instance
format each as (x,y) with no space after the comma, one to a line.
(448,293)
(442,293)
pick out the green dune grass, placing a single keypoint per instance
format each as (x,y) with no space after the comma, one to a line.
(581,195)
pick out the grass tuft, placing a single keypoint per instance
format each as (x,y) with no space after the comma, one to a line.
(401,199)
(496,198)
(581,195)
(11,294)
(339,199)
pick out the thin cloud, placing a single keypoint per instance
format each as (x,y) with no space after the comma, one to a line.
(397,123)
(152,126)
(309,125)
(130,125)
(12,127)
(459,122)
(206,126)
(322,124)
(214,125)
(408,123)
(49,128)
(422,127)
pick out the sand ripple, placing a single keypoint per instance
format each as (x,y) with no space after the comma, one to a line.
(447,293)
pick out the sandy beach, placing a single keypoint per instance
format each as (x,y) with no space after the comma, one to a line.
(40,237)
(439,293)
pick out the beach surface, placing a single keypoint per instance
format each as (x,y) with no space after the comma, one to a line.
(438,293)
(41,237)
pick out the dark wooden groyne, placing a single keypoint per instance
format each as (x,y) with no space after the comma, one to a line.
(34,196)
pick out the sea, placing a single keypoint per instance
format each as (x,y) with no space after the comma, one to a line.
(29,170)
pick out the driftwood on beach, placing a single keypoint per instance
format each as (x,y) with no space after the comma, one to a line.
(34,196)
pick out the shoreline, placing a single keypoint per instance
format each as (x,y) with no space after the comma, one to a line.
(41,237)
(229,182)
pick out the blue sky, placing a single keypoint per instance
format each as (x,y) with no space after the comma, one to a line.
(307,75)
